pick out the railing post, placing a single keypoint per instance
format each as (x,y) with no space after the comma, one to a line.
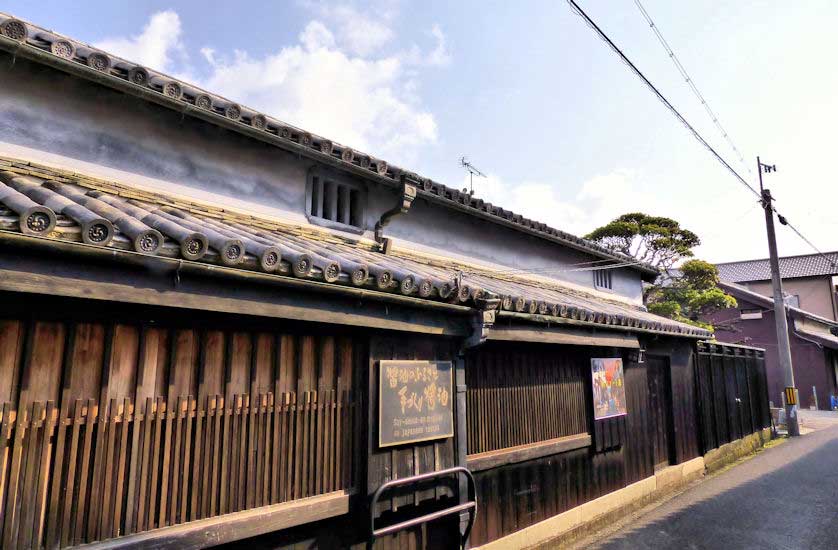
(461,447)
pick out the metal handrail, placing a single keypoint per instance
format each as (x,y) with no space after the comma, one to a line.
(470,505)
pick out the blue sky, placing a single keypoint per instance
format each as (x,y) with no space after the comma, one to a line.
(526,90)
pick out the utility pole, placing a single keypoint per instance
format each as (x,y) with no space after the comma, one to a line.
(783,346)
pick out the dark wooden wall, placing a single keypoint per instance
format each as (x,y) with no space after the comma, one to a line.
(517,495)
(119,420)
(733,393)
(519,395)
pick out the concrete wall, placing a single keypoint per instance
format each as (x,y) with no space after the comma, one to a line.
(48,116)
(816,293)
(812,364)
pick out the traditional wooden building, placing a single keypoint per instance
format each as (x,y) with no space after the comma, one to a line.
(218,326)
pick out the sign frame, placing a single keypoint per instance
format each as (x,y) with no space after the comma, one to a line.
(448,385)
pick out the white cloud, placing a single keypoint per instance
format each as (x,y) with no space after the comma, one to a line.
(334,81)
(155,47)
(360,102)
(598,200)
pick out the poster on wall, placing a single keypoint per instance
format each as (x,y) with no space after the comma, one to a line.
(609,388)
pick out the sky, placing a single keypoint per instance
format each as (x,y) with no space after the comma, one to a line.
(530,95)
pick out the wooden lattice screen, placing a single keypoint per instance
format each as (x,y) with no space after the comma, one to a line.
(144,453)
(519,396)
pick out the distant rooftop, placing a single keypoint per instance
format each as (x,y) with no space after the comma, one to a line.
(808,265)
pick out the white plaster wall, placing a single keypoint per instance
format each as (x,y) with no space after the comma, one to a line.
(60,120)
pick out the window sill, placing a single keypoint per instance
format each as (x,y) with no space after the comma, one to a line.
(522,453)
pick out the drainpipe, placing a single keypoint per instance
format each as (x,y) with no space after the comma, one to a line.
(408,195)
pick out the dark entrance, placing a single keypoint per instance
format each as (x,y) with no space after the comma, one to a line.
(660,409)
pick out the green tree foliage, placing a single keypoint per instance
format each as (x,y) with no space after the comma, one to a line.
(654,240)
(688,294)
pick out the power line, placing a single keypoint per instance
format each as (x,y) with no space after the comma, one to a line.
(688,79)
(661,98)
(686,124)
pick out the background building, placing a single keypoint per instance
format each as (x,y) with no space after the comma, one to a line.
(808,280)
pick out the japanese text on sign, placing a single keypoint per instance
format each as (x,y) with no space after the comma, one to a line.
(415,401)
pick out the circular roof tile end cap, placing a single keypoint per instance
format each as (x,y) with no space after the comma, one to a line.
(360,275)
(285,132)
(63,49)
(270,258)
(301,267)
(326,147)
(233,111)
(364,161)
(232,252)
(520,304)
(203,101)
(463,293)
(305,139)
(97,232)
(532,307)
(194,246)
(381,167)
(37,220)
(407,285)
(173,89)
(331,272)
(259,122)
(348,155)
(99,61)
(543,308)
(384,280)
(506,302)
(148,242)
(426,288)
(555,310)
(445,290)
(138,75)
(14,29)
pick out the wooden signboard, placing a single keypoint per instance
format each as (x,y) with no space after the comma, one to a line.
(415,401)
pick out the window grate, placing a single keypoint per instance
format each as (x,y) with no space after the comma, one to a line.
(334,202)
(602,278)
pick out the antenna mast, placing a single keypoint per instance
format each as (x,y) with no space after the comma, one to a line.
(472,171)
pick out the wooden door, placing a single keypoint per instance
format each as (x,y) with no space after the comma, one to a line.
(660,410)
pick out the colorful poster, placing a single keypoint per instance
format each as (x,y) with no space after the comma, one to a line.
(609,388)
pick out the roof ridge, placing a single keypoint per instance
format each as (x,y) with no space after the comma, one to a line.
(87,61)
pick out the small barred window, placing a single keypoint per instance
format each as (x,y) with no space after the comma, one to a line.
(602,278)
(334,202)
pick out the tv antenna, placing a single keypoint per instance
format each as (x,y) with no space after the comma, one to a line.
(472,171)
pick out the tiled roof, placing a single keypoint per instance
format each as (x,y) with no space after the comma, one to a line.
(45,46)
(809,265)
(42,201)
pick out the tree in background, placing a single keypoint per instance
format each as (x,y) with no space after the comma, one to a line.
(687,294)
(653,240)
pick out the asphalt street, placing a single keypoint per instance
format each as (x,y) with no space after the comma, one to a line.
(784,498)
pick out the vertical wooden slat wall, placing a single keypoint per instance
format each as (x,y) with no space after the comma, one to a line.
(732,393)
(109,429)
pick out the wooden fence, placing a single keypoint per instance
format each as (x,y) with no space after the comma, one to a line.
(732,391)
(92,472)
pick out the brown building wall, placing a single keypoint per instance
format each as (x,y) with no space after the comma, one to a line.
(816,294)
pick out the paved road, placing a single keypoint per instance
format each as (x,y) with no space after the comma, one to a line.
(747,506)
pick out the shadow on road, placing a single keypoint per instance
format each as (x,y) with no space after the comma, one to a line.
(786,497)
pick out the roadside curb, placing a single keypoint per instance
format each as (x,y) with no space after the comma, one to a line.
(585,520)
